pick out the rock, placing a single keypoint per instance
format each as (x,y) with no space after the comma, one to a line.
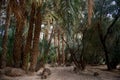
(13,72)
(3,77)
(43,77)
(40,71)
(2,71)
(39,65)
(96,74)
(46,72)
(54,65)
(62,65)
(76,70)
(68,64)
(29,73)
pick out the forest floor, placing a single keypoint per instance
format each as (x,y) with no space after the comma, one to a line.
(67,73)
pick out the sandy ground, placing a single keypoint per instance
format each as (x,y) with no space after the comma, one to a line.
(67,73)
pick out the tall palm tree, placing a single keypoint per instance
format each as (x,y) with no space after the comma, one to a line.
(35,49)
(5,37)
(28,46)
(19,13)
(70,16)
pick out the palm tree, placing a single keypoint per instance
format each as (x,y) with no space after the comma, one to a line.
(35,49)
(5,37)
(28,46)
(70,16)
(19,13)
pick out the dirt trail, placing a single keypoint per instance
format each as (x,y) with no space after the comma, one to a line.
(66,73)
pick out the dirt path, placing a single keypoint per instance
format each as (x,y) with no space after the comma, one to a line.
(66,73)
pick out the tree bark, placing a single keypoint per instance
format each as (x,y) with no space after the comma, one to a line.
(35,49)
(20,20)
(49,42)
(55,44)
(18,44)
(5,38)
(63,54)
(59,47)
(28,45)
(90,11)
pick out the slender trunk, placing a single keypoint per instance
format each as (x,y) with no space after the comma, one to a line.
(55,44)
(5,38)
(27,49)
(46,34)
(76,62)
(90,11)
(63,54)
(106,55)
(49,43)
(59,47)
(35,49)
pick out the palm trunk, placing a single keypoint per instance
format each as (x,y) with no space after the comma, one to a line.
(46,34)
(5,38)
(59,47)
(27,49)
(90,11)
(18,34)
(55,44)
(63,55)
(18,44)
(35,49)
